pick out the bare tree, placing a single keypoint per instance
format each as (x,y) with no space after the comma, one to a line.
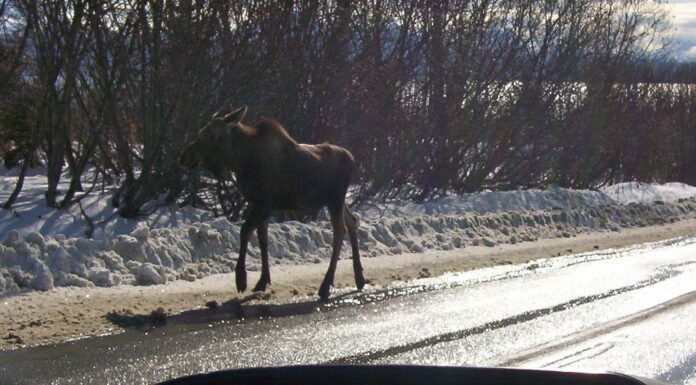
(431,97)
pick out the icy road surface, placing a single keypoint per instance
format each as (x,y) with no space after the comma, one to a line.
(632,310)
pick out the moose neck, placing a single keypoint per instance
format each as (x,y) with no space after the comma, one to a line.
(239,147)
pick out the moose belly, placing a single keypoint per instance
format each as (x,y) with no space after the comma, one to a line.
(286,196)
(300,200)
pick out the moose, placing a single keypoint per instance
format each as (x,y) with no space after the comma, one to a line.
(274,172)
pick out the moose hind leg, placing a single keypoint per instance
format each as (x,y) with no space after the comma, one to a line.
(336,212)
(262,232)
(351,223)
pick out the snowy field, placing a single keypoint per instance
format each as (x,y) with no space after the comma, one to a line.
(42,248)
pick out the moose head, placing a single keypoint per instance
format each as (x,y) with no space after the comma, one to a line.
(213,147)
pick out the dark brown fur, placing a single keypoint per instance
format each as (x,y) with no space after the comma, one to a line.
(274,172)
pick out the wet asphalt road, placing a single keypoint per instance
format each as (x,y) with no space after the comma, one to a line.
(631,311)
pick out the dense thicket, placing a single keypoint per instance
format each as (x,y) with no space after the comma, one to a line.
(430,96)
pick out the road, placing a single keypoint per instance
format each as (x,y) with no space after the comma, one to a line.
(631,310)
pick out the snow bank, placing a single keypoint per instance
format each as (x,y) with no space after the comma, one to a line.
(154,256)
(555,198)
(31,215)
(42,248)
(637,192)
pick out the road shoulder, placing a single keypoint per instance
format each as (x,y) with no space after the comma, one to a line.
(67,313)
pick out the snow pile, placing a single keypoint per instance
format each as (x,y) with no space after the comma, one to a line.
(154,256)
(637,192)
(42,248)
(30,213)
(554,198)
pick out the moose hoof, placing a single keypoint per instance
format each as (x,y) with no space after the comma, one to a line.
(240,280)
(260,286)
(324,291)
(360,282)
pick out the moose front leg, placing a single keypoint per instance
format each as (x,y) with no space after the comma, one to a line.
(262,232)
(256,215)
(338,226)
(352,226)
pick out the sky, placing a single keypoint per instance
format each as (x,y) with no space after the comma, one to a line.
(683,19)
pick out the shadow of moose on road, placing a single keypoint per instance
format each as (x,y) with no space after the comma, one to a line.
(235,309)
(247,308)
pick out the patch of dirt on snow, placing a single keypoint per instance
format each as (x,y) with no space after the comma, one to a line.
(66,313)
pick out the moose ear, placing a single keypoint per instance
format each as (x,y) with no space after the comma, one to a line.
(236,115)
(219,114)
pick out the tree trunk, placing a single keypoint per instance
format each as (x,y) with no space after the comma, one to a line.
(55,154)
(18,187)
(78,168)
